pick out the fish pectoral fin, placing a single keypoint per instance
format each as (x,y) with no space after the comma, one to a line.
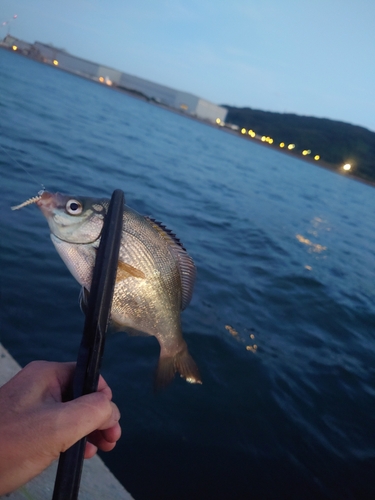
(182,363)
(125,271)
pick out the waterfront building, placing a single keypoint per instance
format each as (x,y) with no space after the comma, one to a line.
(175,99)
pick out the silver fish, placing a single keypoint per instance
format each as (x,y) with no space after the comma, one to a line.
(155,274)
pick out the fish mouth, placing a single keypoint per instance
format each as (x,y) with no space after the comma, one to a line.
(48,202)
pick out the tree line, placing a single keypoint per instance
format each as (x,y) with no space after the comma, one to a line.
(337,143)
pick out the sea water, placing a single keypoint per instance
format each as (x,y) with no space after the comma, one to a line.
(282,321)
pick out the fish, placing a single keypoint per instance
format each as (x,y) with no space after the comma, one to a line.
(155,274)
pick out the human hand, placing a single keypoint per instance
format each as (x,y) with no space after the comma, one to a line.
(36,426)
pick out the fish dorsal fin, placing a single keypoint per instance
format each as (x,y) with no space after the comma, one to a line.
(167,234)
(183,260)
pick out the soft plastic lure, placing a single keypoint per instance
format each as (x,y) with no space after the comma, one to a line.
(29,201)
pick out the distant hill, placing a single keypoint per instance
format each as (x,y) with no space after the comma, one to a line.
(335,142)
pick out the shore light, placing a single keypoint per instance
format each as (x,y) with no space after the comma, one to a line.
(14,47)
(347,166)
(291,146)
(218,121)
(55,62)
(282,144)
(264,138)
(317,157)
(243,131)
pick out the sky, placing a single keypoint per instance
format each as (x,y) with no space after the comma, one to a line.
(309,57)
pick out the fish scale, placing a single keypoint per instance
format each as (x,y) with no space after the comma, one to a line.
(145,250)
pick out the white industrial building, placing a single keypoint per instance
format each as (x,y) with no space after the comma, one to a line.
(183,101)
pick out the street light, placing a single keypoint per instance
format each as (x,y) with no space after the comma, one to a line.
(7,23)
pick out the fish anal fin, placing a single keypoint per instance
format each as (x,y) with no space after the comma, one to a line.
(84,300)
(182,363)
(125,271)
(116,327)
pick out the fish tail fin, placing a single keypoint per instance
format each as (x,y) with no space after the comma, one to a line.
(165,372)
(186,367)
(182,363)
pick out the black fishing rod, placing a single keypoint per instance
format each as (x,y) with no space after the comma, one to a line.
(91,350)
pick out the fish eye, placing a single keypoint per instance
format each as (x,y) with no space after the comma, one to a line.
(73,207)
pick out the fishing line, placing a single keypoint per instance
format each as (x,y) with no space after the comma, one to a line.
(23,168)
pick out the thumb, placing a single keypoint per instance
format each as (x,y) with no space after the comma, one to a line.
(84,415)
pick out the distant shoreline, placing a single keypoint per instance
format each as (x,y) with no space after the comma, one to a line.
(310,161)
(235,133)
